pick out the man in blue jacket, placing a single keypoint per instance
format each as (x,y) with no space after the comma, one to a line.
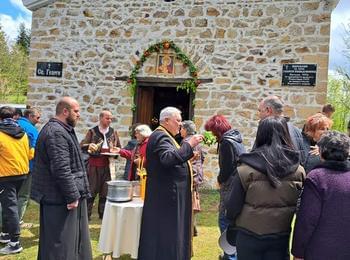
(30,118)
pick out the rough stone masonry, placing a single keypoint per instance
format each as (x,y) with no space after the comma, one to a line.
(241,45)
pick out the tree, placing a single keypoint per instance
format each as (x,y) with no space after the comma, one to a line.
(13,71)
(339,88)
(23,38)
(19,72)
(5,62)
(339,96)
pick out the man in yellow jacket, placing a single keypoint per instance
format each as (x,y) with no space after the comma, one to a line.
(14,167)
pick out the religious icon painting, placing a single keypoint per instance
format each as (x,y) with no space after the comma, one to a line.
(165,64)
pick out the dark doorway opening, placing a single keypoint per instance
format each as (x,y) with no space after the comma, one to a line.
(151,100)
(164,97)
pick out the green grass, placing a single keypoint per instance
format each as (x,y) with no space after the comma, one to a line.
(205,245)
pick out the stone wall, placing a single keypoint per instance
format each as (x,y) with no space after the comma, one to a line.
(241,46)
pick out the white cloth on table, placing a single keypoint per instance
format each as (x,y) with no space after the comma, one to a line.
(120,230)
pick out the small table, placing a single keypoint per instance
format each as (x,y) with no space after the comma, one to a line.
(120,230)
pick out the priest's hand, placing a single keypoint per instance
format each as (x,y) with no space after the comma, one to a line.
(195,140)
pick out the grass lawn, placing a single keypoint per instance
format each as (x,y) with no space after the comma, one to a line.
(205,244)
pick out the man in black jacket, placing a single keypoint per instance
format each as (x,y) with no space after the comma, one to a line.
(273,106)
(61,187)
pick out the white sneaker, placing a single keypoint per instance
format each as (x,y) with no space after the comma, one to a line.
(11,248)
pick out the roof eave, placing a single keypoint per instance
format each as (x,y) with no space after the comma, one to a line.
(33,5)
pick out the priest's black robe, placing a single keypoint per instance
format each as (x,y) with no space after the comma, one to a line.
(167,211)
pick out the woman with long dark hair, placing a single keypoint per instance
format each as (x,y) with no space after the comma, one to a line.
(265,192)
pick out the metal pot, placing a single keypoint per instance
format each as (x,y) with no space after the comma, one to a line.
(136,188)
(119,191)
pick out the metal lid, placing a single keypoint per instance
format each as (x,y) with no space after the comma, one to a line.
(120,183)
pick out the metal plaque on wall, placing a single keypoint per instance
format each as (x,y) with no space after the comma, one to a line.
(299,75)
(49,69)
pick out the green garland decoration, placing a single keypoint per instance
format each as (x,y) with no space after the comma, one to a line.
(190,85)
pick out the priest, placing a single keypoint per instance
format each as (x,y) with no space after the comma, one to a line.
(167,212)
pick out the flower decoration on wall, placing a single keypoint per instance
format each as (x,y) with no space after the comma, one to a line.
(190,85)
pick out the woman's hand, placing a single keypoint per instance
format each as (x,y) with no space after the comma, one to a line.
(114,149)
(195,156)
(137,161)
(314,150)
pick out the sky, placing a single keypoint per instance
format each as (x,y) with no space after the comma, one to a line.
(12,13)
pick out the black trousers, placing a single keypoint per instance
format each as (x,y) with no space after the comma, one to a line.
(64,234)
(250,247)
(9,203)
(98,178)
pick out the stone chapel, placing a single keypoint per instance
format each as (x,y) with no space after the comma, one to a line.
(205,57)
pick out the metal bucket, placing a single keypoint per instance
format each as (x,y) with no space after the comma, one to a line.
(136,188)
(119,191)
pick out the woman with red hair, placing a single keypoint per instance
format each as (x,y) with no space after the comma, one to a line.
(230,147)
(315,126)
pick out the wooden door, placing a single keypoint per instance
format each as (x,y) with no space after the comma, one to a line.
(144,105)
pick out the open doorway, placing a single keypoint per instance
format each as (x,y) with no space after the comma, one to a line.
(152,99)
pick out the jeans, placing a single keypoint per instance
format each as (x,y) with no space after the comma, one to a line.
(225,189)
(24,195)
(8,199)
(250,247)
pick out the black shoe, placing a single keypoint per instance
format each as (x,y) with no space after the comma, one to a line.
(195,231)
(4,238)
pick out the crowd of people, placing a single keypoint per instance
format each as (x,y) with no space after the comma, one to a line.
(288,170)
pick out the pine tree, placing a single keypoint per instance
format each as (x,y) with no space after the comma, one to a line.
(23,38)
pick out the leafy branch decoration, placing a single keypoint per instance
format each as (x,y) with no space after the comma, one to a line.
(190,85)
